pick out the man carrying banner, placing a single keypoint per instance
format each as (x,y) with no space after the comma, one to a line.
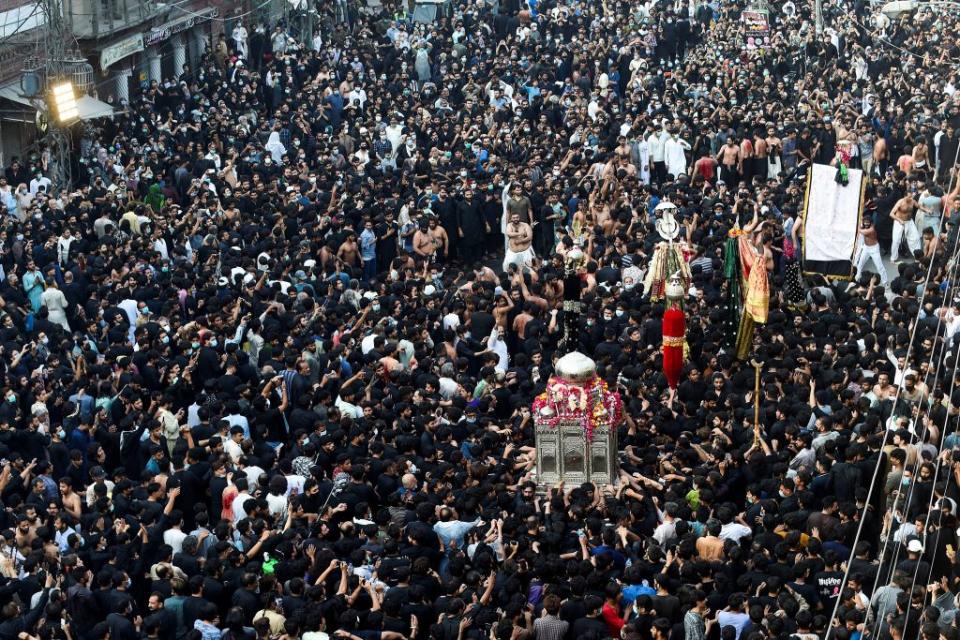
(903,224)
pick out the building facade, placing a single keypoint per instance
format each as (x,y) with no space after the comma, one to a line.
(128,43)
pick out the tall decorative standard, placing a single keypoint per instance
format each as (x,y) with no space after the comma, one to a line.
(576,422)
(674,328)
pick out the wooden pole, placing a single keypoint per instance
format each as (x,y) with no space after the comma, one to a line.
(756,400)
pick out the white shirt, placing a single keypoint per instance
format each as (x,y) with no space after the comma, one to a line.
(239,512)
(232,449)
(499,347)
(665,532)
(656,144)
(295,484)
(348,410)
(174,538)
(451,321)
(358,94)
(160,246)
(674,156)
(734,531)
(91,495)
(129,307)
(448,388)
(277,505)
(63,249)
(237,420)
(253,473)
(62,537)
(36,183)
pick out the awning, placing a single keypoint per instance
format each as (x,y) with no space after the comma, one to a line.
(11,92)
(89,108)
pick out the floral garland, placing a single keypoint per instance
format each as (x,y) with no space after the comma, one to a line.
(592,403)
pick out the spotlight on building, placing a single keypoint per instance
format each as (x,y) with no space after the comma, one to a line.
(64,102)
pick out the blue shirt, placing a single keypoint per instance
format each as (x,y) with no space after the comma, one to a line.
(368,244)
(631,592)
(453,531)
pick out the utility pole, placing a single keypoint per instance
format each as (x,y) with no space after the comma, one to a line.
(57,47)
(818,16)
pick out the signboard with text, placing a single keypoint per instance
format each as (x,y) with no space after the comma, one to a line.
(166,31)
(120,50)
(756,27)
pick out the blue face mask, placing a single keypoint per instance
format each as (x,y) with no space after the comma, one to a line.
(195,345)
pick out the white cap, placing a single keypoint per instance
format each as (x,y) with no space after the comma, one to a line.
(915,546)
(429,290)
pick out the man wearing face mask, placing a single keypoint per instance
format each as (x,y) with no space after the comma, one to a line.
(383,151)
(208,360)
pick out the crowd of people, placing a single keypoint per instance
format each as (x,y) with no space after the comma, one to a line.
(268,362)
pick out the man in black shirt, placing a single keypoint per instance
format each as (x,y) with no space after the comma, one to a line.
(591,625)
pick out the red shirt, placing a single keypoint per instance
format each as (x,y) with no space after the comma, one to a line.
(612,617)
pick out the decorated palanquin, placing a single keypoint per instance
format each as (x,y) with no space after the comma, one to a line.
(576,421)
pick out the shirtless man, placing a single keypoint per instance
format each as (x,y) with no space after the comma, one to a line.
(731,163)
(601,213)
(70,498)
(883,389)
(930,243)
(349,252)
(439,235)
(519,238)
(905,163)
(424,244)
(520,322)
(25,534)
(881,156)
(501,311)
(870,250)
(903,224)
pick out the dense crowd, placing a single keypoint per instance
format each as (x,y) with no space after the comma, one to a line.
(268,362)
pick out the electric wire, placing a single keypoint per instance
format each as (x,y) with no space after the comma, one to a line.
(883,444)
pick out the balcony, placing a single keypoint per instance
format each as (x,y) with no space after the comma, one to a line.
(93,19)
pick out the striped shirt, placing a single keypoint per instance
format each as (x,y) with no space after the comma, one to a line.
(705,264)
